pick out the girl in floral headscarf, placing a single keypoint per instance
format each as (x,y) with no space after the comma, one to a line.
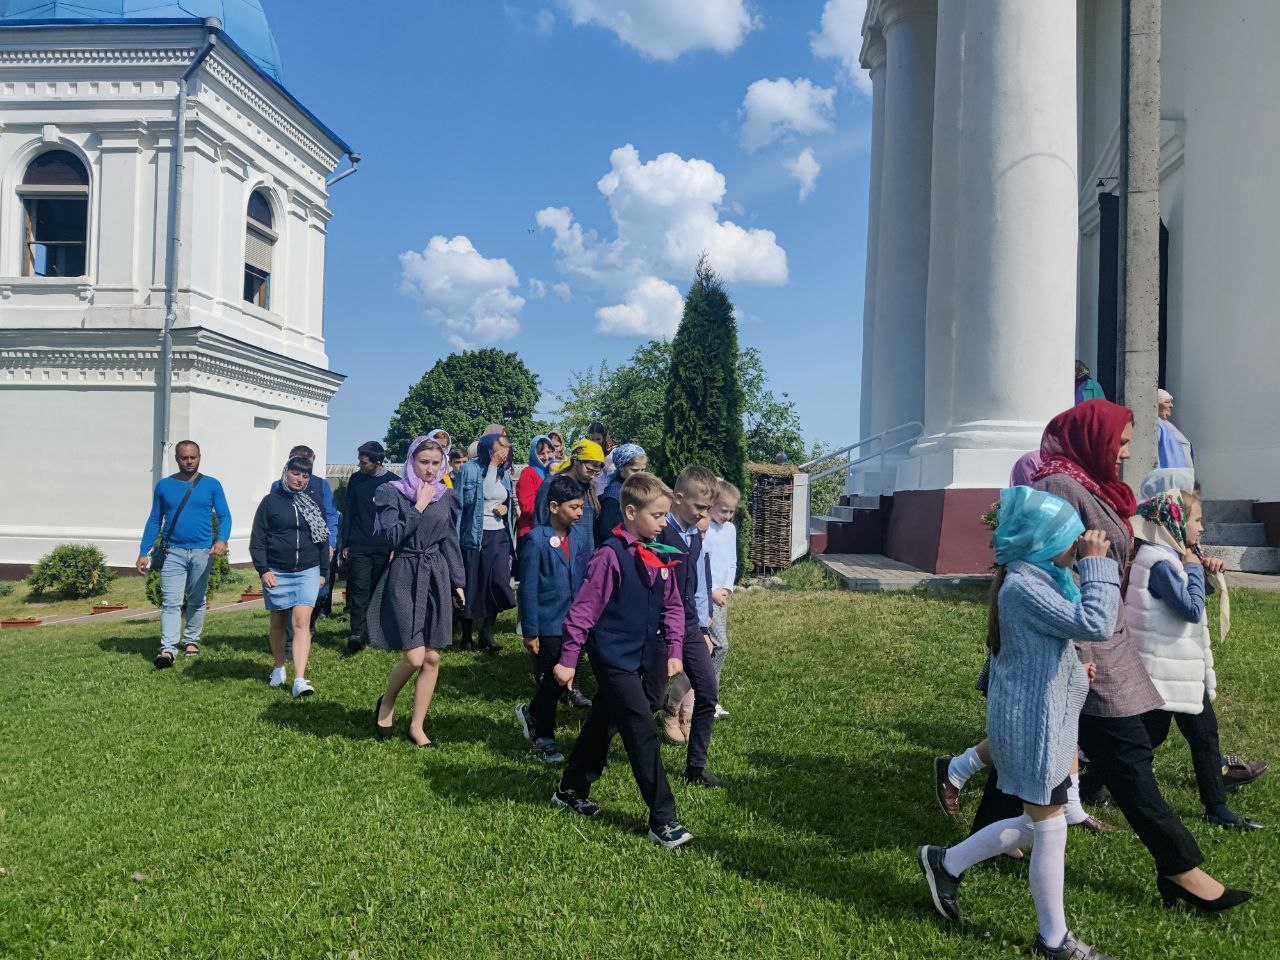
(1165,609)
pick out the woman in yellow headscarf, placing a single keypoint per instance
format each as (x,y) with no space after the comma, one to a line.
(585,463)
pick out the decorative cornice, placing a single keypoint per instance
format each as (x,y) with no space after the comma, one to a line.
(220,69)
(202,359)
(98,57)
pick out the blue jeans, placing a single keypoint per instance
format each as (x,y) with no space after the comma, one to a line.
(185,575)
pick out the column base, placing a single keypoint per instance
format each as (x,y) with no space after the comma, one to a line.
(975,455)
(941,531)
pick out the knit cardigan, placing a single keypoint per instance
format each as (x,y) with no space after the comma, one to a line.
(1176,653)
(1037,682)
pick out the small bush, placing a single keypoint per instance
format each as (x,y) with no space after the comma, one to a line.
(71,571)
(6,588)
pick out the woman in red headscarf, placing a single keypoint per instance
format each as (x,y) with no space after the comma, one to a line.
(1081,454)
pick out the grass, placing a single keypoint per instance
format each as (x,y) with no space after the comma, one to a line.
(194,813)
(130,590)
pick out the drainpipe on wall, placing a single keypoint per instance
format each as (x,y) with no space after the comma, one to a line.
(354,159)
(175,242)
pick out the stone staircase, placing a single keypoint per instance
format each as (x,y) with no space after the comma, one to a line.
(855,525)
(1231,532)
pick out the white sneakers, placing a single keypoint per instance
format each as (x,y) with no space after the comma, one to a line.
(301,687)
(721,712)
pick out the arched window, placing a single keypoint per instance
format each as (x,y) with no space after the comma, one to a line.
(55,215)
(259,245)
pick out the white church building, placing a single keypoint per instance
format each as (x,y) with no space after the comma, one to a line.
(992,242)
(89,225)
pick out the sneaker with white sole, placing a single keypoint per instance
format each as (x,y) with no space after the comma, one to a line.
(574,801)
(525,721)
(277,678)
(670,835)
(302,687)
(721,713)
(944,889)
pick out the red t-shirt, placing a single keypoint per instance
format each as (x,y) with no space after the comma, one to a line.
(527,497)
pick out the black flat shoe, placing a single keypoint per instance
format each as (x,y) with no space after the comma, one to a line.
(1172,895)
(379,731)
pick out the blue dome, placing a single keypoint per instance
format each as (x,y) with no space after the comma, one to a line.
(243,21)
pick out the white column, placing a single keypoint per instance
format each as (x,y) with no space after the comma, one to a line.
(1010,277)
(910,29)
(873,60)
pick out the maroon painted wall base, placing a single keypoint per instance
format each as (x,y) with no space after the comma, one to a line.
(941,531)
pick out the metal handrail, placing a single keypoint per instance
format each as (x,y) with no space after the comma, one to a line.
(915,425)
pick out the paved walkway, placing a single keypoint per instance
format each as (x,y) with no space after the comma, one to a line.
(871,572)
(140,614)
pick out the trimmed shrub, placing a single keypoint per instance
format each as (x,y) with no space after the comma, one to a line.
(71,571)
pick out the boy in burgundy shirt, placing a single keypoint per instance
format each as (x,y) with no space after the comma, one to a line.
(631,619)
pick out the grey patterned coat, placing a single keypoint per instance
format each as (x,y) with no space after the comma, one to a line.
(412,605)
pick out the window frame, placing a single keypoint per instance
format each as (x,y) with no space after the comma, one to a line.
(266,234)
(27,192)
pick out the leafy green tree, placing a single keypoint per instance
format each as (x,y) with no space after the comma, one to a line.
(631,398)
(702,421)
(462,393)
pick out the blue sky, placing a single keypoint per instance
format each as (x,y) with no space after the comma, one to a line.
(488,126)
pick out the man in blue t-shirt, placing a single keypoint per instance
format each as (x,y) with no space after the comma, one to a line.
(188,531)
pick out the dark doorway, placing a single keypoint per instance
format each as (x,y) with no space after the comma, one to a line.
(1110,354)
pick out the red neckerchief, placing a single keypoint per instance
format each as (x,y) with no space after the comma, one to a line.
(647,556)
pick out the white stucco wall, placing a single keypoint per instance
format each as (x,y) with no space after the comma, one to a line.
(79,357)
(1219,202)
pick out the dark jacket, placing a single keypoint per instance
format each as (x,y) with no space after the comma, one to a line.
(358,517)
(322,494)
(610,511)
(281,539)
(686,577)
(549,582)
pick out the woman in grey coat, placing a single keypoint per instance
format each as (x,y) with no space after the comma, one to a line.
(412,606)
(1037,687)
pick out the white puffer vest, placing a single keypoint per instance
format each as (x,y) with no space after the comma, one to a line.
(1176,653)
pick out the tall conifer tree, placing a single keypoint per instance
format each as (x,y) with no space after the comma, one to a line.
(703,417)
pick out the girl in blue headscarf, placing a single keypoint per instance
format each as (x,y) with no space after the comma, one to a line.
(628,459)
(486,528)
(539,466)
(1037,687)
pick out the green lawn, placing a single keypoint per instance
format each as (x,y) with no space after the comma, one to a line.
(195,813)
(18,601)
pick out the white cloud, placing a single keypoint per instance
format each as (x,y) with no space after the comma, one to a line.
(470,295)
(563,291)
(841,39)
(665,212)
(652,309)
(775,109)
(805,168)
(537,289)
(666,29)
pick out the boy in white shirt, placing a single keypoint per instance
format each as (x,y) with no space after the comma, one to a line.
(720,543)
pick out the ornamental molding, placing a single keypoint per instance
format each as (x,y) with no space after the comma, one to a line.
(98,57)
(241,88)
(209,362)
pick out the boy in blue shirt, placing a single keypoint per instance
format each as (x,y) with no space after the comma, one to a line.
(193,499)
(553,563)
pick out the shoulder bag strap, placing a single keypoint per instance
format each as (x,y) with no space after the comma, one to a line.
(173,521)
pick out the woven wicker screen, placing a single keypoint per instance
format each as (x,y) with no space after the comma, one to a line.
(771,494)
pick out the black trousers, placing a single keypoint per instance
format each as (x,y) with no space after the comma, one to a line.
(701,672)
(364,569)
(542,708)
(1120,754)
(1201,733)
(627,699)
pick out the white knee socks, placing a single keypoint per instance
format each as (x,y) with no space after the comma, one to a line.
(991,841)
(1075,811)
(963,767)
(1048,866)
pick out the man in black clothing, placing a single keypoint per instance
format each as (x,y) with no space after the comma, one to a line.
(365,553)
